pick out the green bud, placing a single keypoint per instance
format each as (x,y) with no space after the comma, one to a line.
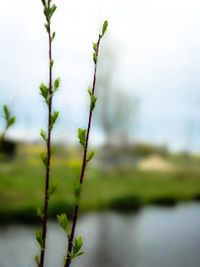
(93,100)
(56,84)
(43,157)
(104,28)
(44,91)
(78,243)
(94,46)
(54,118)
(90,156)
(95,58)
(37,261)
(38,237)
(10,120)
(89,91)
(43,135)
(46,25)
(82,136)
(53,36)
(64,223)
(51,63)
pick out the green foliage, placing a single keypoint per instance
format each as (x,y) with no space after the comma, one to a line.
(44,91)
(89,91)
(104,28)
(43,2)
(38,237)
(37,261)
(10,120)
(43,135)
(64,260)
(94,47)
(56,84)
(82,136)
(54,118)
(78,243)
(95,57)
(53,36)
(49,11)
(51,63)
(64,223)
(93,100)
(43,157)
(90,156)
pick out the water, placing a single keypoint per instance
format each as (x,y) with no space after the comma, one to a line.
(154,237)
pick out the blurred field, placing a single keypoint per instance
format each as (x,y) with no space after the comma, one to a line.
(22,183)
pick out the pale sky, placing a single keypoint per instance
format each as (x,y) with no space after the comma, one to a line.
(157,48)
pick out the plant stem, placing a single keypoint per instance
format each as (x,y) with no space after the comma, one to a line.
(48,149)
(83,167)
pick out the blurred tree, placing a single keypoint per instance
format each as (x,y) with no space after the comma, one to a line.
(7,148)
(117,108)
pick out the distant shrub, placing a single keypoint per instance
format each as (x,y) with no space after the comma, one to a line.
(166,201)
(126,203)
(7,149)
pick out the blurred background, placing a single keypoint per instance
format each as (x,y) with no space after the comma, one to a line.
(140,204)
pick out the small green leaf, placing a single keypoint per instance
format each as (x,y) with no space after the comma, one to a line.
(53,9)
(93,100)
(38,236)
(7,116)
(11,121)
(56,84)
(64,223)
(37,261)
(95,57)
(94,46)
(43,135)
(6,111)
(46,25)
(43,2)
(64,260)
(78,243)
(51,63)
(90,91)
(53,36)
(82,136)
(90,156)
(43,157)
(44,91)
(47,13)
(54,118)
(104,28)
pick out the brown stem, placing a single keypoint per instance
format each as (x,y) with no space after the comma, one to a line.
(83,167)
(48,148)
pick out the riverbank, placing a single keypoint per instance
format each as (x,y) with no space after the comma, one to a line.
(21,189)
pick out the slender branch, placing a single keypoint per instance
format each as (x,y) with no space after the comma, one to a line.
(84,159)
(47,92)
(48,147)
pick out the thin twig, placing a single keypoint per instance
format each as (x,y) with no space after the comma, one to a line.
(84,164)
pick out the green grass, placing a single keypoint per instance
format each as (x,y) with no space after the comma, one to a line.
(22,182)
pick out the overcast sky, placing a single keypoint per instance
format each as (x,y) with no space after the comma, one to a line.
(157,48)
